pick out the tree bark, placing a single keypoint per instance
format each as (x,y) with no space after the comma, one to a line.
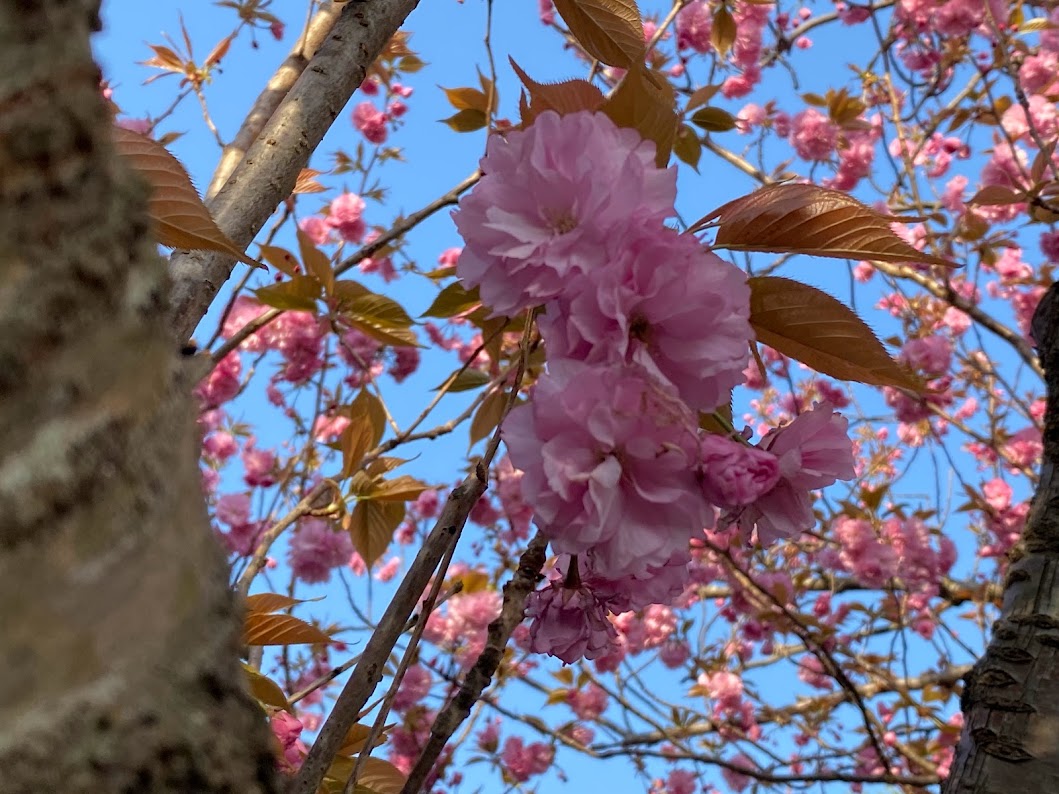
(1010,739)
(119,654)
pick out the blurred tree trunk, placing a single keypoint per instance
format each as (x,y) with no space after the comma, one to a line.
(119,637)
(1010,739)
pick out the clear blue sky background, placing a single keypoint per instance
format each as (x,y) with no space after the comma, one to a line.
(448,35)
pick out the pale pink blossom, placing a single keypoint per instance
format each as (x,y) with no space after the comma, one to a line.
(931,355)
(665,303)
(233,509)
(608,460)
(316,548)
(414,687)
(222,384)
(345,216)
(371,122)
(316,228)
(550,197)
(733,474)
(523,761)
(813,135)
(694,23)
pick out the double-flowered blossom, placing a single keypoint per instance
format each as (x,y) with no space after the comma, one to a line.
(609,460)
(664,302)
(549,198)
(644,329)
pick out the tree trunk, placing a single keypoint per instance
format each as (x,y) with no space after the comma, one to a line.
(119,653)
(1010,740)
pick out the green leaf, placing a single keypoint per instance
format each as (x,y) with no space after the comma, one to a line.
(713,119)
(265,689)
(464,380)
(687,146)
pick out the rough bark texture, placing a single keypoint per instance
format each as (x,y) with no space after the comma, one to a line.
(119,659)
(1010,741)
(267,174)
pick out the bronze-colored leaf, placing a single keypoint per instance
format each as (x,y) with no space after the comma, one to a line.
(569,96)
(317,263)
(265,689)
(371,526)
(306,182)
(376,775)
(399,489)
(367,404)
(608,30)
(179,217)
(270,602)
(713,119)
(268,629)
(299,293)
(452,300)
(996,194)
(281,259)
(467,99)
(645,102)
(723,31)
(488,415)
(467,120)
(812,327)
(357,736)
(806,219)
(355,441)
(687,146)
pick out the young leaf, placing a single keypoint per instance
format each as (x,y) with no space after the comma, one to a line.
(812,327)
(265,689)
(609,30)
(713,119)
(266,629)
(687,146)
(454,299)
(297,294)
(179,217)
(569,96)
(467,120)
(368,405)
(317,263)
(382,318)
(399,489)
(464,380)
(371,526)
(466,98)
(357,736)
(806,219)
(723,31)
(487,417)
(354,442)
(280,258)
(270,602)
(645,102)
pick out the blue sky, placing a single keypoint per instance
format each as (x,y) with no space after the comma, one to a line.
(449,36)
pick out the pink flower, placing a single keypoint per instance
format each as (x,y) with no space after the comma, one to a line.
(568,623)
(524,761)
(406,362)
(316,548)
(931,355)
(694,23)
(665,303)
(345,217)
(233,509)
(587,703)
(287,730)
(371,122)
(734,474)
(608,460)
(813,451)
(414,687)
(737,781)
(220,445)
(388,570)
(222,384)
(259,465)
(550,197)
(316,229)
(681,781)
(813,135)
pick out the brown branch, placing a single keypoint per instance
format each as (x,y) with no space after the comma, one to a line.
(516,591)
(275,90)
(271,166)
(369,669)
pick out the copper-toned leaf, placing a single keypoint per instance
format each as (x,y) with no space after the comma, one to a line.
(488,415)
(367,404)
(376,776)
(806,219)
(270,602)
(382,318)
(268,629)
(645,102)
(723,31)
(687,146)
(299,293)
(265,689)
(179,217)
(467,99)
(371,526)
(467,120)
(219,51)
(608,30)
(399,489)
(700,96)
(306,182)
(996,194)
(812,327)
(357,736)
(713,119)
(452,300)
(354,442)
(317,263)
(280,258)
(566,97)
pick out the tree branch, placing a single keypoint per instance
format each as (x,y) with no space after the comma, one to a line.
(271,166)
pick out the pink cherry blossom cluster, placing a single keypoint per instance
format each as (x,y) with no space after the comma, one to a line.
(645,329)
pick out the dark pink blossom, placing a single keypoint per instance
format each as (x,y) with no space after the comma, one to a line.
(568,623)
(733,474)
(316,548)
(371,122)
